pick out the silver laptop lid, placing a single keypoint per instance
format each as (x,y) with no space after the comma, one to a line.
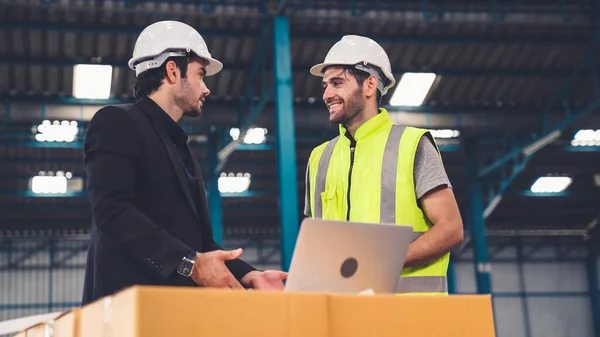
(348,257)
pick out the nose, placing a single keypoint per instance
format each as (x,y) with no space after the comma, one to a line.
(205,89)
(328,93)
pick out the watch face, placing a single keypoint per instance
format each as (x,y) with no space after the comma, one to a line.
(185,268)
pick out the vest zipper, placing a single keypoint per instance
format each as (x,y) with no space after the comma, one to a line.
(352,148)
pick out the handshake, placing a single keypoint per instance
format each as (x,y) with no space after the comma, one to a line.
(210,271)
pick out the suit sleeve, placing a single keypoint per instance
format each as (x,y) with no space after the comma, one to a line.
(112,145)
(237,267)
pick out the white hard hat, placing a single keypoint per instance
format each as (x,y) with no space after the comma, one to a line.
(354,50)
(164,39)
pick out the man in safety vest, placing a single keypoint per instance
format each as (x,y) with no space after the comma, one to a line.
(376,171)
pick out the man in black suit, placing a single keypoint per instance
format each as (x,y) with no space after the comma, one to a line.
(150,217)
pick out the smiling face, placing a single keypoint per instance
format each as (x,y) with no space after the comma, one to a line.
(191,91)
(342,95)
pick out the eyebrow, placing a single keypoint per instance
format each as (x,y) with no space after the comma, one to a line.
(335,78)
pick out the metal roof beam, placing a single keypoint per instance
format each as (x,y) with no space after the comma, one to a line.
(342,12)
(520,151)
(213,103)
(299,35)
(249,110)
(223,114)
(112,29)
(258,194)
(70,61)
(454,39)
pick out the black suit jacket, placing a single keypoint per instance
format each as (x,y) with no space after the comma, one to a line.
(145,219)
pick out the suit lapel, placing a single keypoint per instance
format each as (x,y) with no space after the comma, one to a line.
(169,147)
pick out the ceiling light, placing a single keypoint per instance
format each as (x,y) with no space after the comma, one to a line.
(551,184)
(412,89)
(92,81)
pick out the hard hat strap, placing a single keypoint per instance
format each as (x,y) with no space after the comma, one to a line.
(156,61)
(364,67)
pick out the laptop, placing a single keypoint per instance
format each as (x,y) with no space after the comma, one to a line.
(348,257)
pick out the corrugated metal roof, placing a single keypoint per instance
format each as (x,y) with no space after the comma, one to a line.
(516,64)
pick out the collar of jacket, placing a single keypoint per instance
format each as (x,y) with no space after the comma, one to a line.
(370,127)
(162,118)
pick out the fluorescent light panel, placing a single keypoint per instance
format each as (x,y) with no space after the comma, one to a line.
(551,184)
(412,89)
(586,138)
(445,133)
(234,183)
(56,131)
(253,135)
(55,183)
(92,81)
(48,184)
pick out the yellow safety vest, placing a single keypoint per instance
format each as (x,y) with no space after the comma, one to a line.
(374,183)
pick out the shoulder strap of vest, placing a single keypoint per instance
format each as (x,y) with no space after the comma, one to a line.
(419,133)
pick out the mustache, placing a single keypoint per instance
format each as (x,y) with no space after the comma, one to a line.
(333,100)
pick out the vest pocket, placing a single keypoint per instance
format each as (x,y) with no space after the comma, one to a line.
(333,204)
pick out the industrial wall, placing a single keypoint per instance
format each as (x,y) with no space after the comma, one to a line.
(532,298)
(535,299)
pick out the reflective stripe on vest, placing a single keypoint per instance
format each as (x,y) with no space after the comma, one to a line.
(408,284)
(322,177)
(389,167)
(423,284)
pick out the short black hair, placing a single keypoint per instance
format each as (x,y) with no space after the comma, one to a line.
(150,80)
(361,76)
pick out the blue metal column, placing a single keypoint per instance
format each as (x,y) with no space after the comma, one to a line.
(477,222)
(214,196)
(522,287)
(451,278)
(51,262)
(592,275)
(592,259)
(286,148)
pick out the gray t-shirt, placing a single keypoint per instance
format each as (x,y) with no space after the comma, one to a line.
(429,172)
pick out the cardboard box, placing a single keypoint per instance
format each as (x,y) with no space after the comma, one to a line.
(65,325)
(194,312)
(197,312)
(423,316)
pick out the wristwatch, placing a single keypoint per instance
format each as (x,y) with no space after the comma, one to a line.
(187,265)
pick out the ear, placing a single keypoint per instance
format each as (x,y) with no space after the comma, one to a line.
(370,86)
(172,72)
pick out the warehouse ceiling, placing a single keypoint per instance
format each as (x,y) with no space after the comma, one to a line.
(505,74)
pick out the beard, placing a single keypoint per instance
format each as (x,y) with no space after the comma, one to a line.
(352,108)
(192,112)
(188,100)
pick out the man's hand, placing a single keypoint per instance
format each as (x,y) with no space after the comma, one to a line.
(210,270)
(265,280)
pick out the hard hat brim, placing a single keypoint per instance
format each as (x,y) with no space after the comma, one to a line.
(214,66)
(317,69)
